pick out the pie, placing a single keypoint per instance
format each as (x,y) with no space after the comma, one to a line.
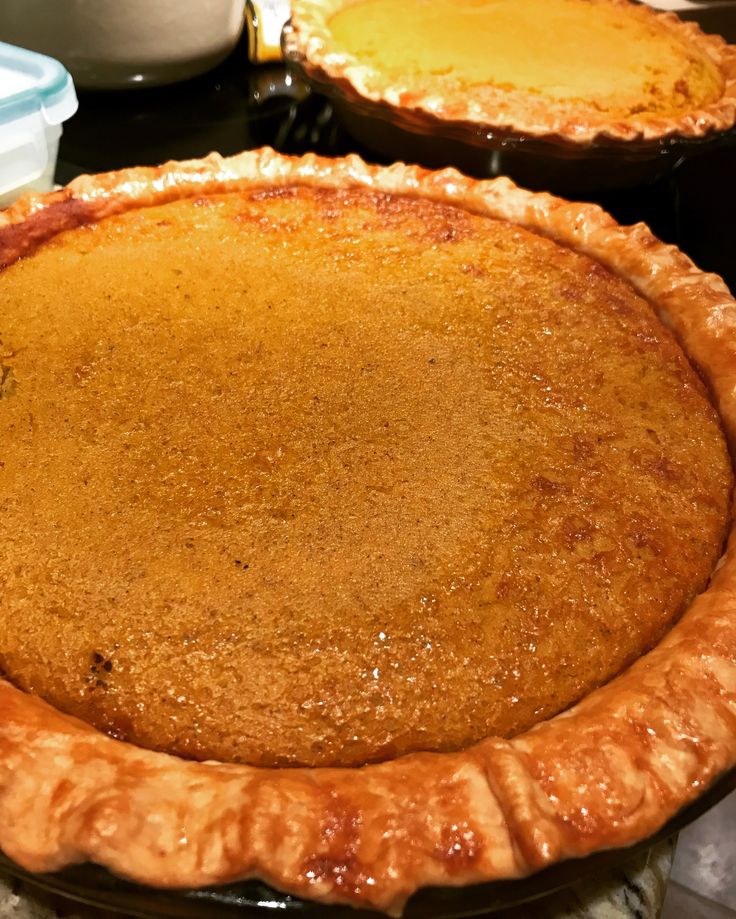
(572,72)
(362,528)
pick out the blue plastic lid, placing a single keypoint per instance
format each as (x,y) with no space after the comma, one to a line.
(31,82)
(36,95)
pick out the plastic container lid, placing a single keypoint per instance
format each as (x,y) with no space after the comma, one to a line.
(36,96)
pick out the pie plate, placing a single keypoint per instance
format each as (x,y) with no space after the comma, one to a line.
(393,133)
(607,774)
(488,126)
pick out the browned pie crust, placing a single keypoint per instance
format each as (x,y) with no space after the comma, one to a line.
(504,111)
(606,773)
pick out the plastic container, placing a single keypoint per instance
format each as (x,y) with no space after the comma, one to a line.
(36,96)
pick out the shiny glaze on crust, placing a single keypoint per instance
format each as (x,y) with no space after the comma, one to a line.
(578,783)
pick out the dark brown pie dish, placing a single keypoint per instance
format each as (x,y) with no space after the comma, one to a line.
(425,108)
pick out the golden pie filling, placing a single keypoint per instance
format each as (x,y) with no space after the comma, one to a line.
(317,476)
(608,60)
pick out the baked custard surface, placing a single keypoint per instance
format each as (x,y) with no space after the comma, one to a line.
(613,60)
(312,476)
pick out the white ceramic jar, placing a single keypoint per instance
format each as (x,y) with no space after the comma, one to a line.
(123,43)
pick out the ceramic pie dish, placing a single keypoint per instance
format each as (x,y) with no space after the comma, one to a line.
(616,99)
(249,410)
